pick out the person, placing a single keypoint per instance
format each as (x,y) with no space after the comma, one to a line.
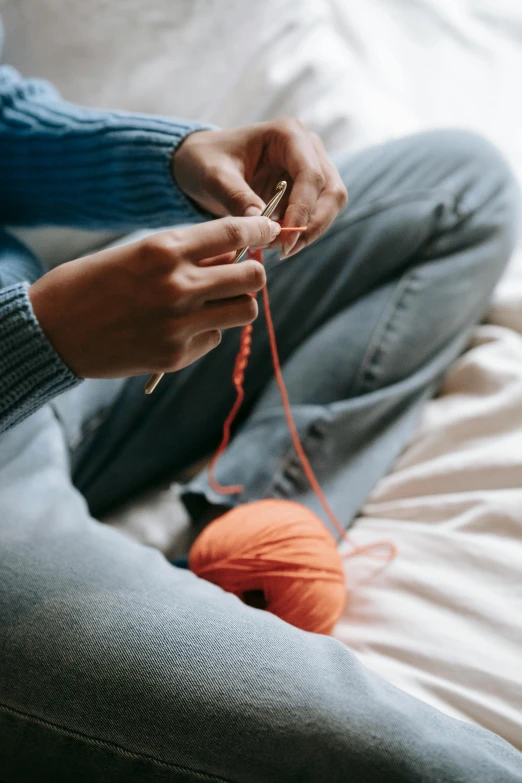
(115,665)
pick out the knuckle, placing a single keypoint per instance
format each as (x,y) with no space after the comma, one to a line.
(234,232)
(182,283)
(265,231)
(236,197)
(255,275)
(316,178)
(160,247)
(291,126)
(301,211)
(340,196)
(175,289)
(148,250)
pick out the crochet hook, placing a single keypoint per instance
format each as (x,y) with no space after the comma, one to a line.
(267,212)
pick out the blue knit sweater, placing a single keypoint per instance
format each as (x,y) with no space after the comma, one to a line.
(65,165)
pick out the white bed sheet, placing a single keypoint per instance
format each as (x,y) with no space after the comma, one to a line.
(445,620)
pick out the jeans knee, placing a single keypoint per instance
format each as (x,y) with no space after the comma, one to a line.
(483,177)
(485,201)
(459,148)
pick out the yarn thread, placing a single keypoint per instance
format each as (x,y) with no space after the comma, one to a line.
(238,378)
(277,554)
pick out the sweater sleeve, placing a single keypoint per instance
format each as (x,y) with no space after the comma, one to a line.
(31,372)
(65,165)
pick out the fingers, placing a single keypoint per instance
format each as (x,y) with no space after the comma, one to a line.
(305,169)
(222,236)
(332,200)
(226,314)
(230,280)
(317,193)
(224,258)
(227,186)
(200,345)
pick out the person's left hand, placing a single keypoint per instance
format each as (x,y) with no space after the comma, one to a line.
(235,171)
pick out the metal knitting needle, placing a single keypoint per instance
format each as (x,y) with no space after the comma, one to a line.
(267,212)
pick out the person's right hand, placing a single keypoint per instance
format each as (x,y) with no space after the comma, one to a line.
(152,306)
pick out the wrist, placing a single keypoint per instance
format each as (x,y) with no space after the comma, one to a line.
(183,164)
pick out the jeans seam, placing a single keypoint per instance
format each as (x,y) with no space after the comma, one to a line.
(288,458)
(273,484)
(363,379)
(107,744)
(272,480)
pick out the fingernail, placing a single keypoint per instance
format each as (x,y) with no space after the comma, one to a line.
(275,229)
(289,244)
(252,211)
(297,248)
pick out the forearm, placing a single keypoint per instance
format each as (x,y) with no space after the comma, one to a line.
(65,165)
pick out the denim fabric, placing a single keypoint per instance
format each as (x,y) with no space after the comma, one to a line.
(116,666)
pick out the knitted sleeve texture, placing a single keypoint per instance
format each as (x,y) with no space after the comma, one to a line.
(61,164)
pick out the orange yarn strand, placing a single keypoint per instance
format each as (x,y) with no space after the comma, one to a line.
(238,377)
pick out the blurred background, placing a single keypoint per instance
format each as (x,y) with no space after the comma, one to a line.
(357,71)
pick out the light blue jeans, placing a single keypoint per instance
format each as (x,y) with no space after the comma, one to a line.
(116,666)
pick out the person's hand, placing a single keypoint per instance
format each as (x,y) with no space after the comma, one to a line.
(152,306)
(235,171)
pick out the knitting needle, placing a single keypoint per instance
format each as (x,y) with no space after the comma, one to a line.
(267,212)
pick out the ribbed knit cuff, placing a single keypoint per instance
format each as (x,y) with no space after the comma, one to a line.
(69,165)
(31,372)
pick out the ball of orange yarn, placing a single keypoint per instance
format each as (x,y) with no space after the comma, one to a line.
(281,550)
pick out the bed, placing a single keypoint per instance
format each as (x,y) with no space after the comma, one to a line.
(444,622)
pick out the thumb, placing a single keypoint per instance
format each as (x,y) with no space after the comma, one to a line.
(232,192)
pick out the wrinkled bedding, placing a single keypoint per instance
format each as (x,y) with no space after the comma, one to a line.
(444,621)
